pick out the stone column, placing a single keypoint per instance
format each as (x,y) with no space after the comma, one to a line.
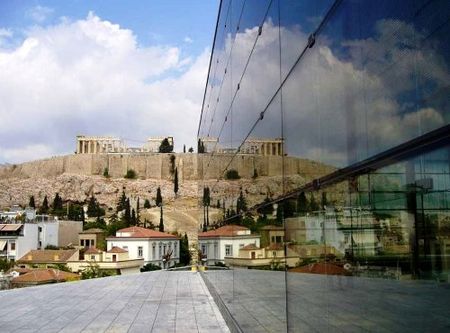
(82,146)
(276,148)
(89,147)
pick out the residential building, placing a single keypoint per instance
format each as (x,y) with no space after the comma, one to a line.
(272,256)
(93,237)
(116,259)
(47,258)
(17,239)
(43,276)
(217,244)
(59,233)
(152,246)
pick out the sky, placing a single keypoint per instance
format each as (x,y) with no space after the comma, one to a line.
(130,69)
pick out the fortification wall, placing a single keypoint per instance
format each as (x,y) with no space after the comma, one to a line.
(159,166)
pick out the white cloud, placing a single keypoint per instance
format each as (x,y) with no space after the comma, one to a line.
(342,103)
(5,32)
(39,13)
(26,153)
(91,77)
(188,40)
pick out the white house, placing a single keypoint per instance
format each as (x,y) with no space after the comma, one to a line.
(225,241)
(153,246)
(17,239)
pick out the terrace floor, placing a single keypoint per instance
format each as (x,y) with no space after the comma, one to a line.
(159,301)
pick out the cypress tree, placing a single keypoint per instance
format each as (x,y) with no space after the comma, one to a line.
(161,220)
(147,203)
(31,203)
(44,207)
(158,197)
(175,185)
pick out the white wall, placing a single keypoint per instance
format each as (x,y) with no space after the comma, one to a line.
(27,242)
(236,242)
(147,246)
(49,234)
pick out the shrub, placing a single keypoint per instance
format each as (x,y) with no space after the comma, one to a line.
(106,173)
(150,267)
(232,174)
(131,174)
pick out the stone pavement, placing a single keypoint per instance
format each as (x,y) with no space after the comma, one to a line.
(159,301)
(320,303)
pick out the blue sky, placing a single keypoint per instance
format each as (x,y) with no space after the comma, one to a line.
(132,69)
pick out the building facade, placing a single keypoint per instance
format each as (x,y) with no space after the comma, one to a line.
(154,247)
(218,244)
(359,89)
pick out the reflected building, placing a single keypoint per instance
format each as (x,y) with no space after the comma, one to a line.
(359,90)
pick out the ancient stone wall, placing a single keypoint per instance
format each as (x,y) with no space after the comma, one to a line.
(159,166)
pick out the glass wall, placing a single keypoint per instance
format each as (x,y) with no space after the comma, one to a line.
(324,140)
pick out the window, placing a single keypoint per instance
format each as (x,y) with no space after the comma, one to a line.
(114,258)
(228,250)
(215,251)
(154,251)
(278,239)
(175,249)
(40,229)
(81,242)
(160,251)
(204,249)
(140,251)
(92,257)
(13,246)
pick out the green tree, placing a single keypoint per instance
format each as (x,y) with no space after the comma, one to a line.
(161,219)
(122,202)
(106,173)
(241,205)
(133,220)
(158,200)
(138,215)
(184,149)
(131,174)
(165,146)
(31,203)
(127,215)
(232,174)
(150,267)
(76,212)
(175,183)
(191,150)
(94,209)
(302,203)
(185,254)
(147,203)
(57,206)
(44,207)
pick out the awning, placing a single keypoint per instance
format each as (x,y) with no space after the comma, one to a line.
(2,245)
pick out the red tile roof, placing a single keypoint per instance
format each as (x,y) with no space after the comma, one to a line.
(116,249)
(92,250)
(139,232)
(45,276)
(321,268)
(47,256)
(225,231)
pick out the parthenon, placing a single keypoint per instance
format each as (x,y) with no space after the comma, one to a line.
(109,144)
(254,146)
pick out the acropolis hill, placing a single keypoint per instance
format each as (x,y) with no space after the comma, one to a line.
(47,176)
